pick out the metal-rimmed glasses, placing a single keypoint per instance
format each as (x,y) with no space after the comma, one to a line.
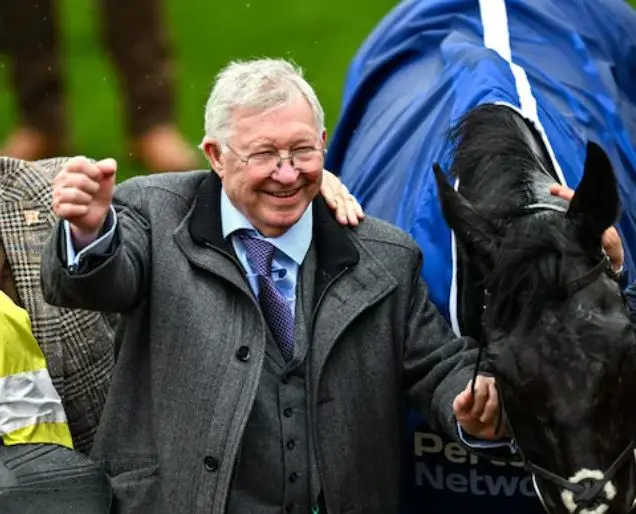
(303,157)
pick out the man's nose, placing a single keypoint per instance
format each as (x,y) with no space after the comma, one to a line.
(286,173)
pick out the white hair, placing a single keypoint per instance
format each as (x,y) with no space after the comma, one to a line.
(260,84)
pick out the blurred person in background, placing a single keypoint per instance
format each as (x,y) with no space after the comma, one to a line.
(136,40)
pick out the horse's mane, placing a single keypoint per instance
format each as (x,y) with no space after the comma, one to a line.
(498,157)
(535,261)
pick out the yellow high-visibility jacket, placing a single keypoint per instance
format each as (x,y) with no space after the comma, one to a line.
(31,410)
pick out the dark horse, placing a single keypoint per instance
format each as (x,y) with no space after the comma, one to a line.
(559,340)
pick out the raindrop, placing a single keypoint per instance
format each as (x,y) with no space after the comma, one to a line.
(247,5)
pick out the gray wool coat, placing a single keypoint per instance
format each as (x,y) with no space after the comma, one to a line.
(192,344)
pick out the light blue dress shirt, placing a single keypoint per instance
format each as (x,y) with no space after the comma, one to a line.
(291,248)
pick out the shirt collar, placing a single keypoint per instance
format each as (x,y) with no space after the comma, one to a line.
(294,243)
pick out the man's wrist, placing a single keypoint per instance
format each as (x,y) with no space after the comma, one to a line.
(82,238)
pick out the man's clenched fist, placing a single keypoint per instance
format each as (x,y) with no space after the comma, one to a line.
(82,195)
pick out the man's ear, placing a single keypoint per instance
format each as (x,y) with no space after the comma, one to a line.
(213,153)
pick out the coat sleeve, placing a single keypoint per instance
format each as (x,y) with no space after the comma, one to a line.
(437,366)
(630,298)
(113,281)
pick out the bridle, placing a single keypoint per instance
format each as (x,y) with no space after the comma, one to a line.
(587,491)
(583,493)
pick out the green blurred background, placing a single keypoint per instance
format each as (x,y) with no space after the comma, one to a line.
(321,36)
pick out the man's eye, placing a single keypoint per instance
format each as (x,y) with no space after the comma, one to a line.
(263,155)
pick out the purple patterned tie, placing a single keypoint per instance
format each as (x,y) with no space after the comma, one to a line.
(276,310)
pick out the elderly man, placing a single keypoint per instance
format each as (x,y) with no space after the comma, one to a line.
(78,345)
(267,352)
(79,348)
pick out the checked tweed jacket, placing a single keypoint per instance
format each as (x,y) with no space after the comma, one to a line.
(78,344)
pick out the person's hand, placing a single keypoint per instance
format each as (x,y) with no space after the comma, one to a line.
(611,240)
(337,196)
(478,415)
(82,194)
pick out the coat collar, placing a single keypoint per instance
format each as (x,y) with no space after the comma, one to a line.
(335,251)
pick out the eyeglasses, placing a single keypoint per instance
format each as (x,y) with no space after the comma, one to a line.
(300,158)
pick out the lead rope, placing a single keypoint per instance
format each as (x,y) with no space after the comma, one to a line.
(482,345)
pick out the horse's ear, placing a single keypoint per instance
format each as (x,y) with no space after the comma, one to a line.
(476,234)
(596,205)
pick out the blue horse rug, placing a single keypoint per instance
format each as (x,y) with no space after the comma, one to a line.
(569,66)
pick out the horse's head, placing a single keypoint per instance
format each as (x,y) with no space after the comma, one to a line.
(560,343)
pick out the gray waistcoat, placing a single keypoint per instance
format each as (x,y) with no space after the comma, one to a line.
(276,470)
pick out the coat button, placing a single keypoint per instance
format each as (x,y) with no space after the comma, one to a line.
(288,412)
(291,444)
(293,477)
(211,463)
(243,354)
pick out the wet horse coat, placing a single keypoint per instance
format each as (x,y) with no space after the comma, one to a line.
(569,67)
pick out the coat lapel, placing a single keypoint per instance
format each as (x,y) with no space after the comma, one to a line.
(200,236)
(349,280)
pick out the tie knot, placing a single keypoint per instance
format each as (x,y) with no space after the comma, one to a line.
(259,252)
